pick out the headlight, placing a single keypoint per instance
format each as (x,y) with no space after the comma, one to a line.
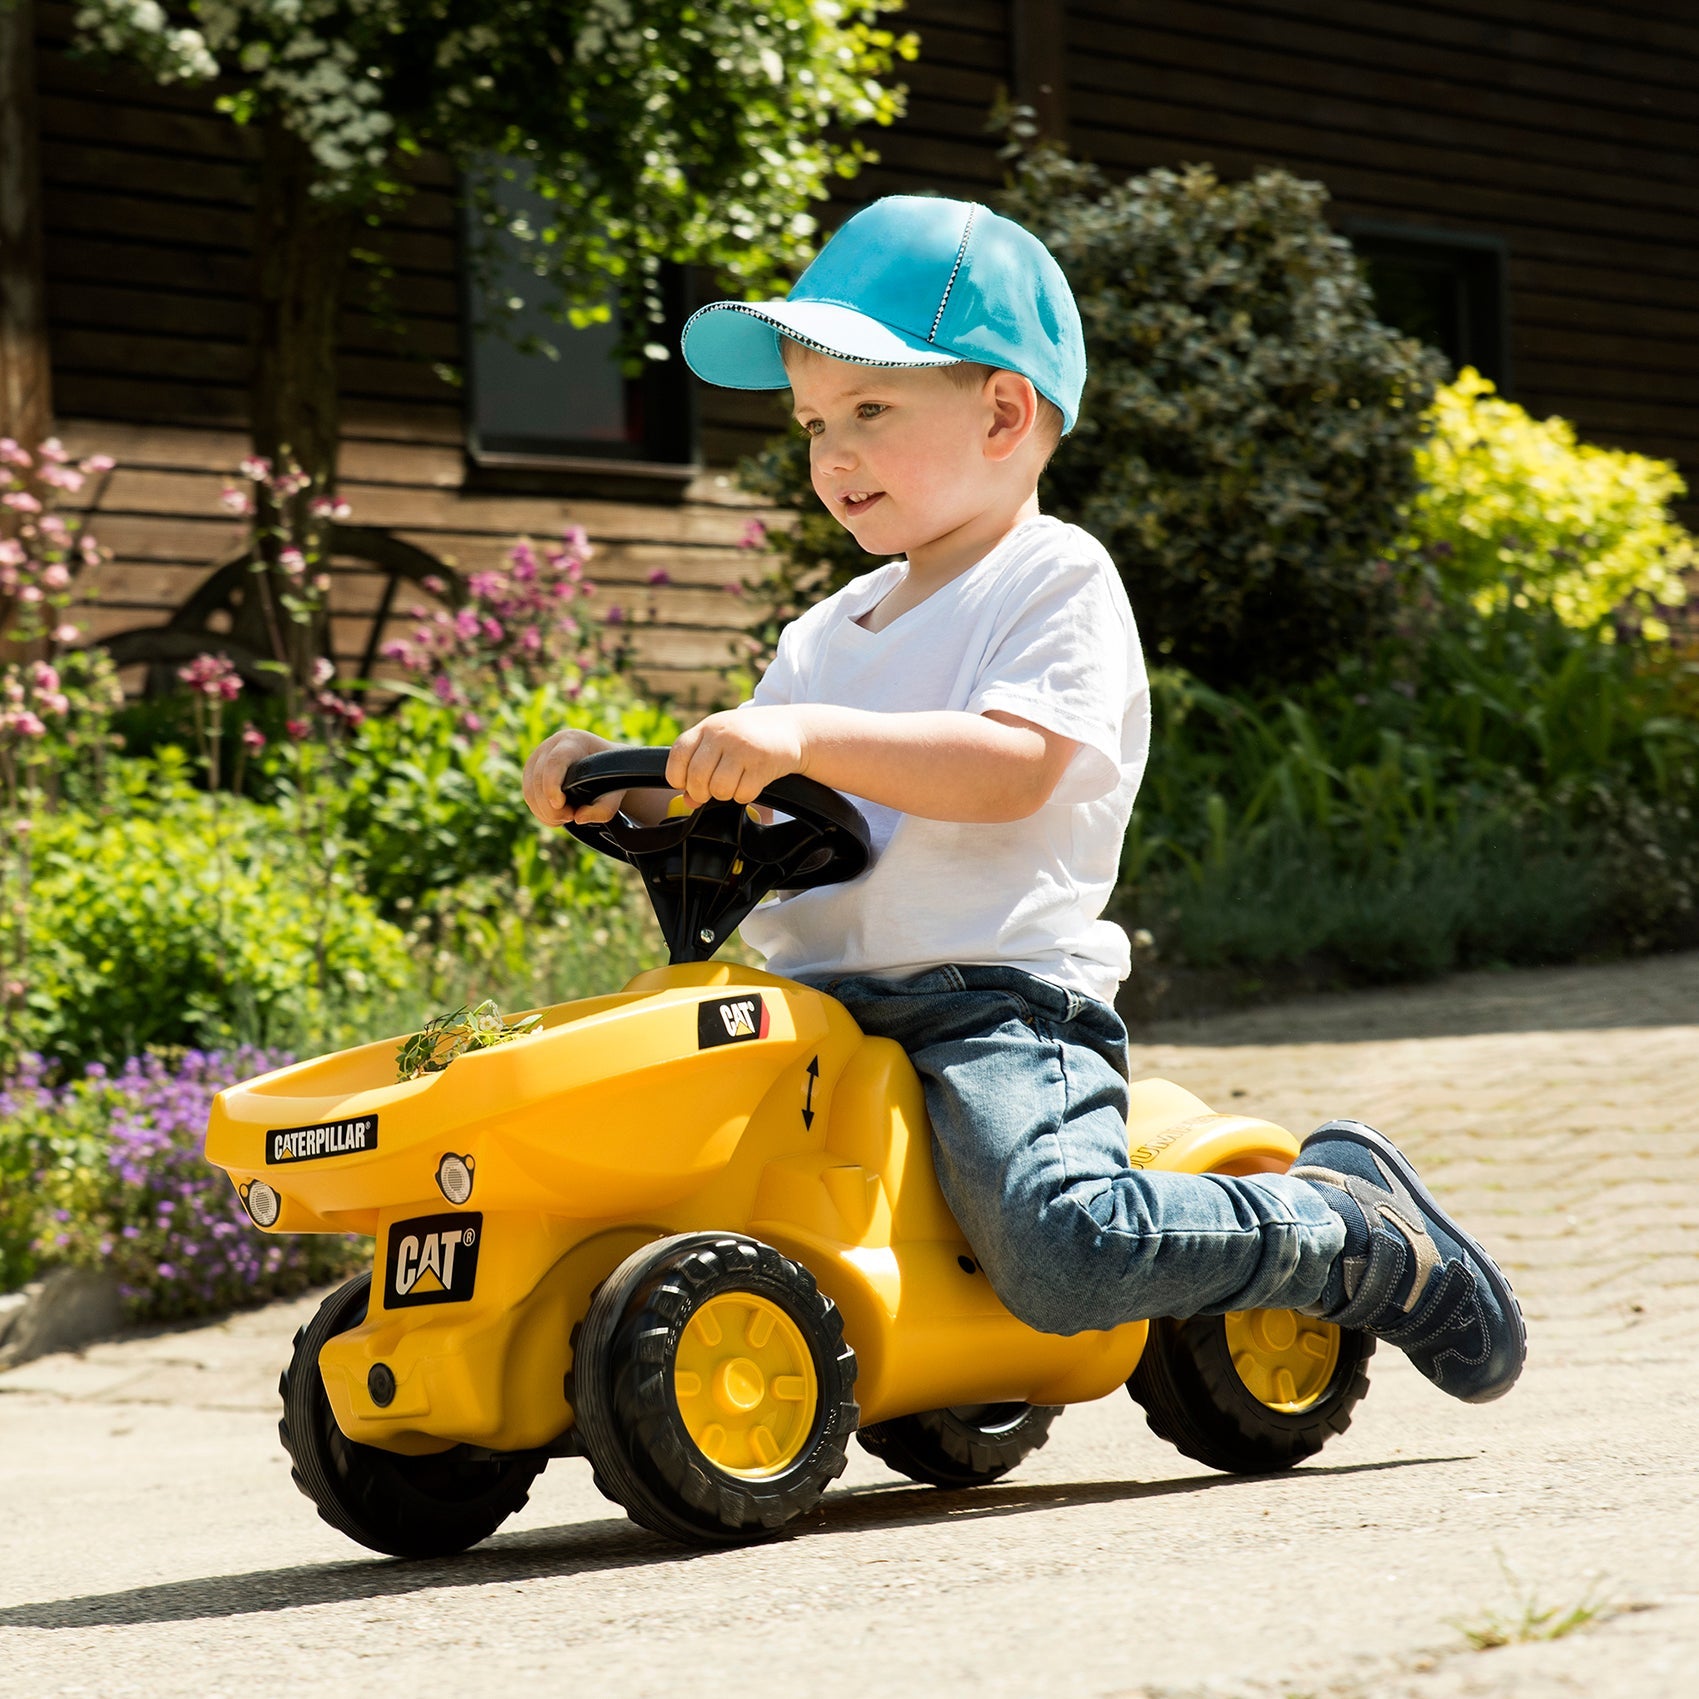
(454,1178)
(263,1204)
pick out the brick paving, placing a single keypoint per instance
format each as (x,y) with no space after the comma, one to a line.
(1556,1112)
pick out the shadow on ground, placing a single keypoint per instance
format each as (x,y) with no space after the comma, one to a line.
(582,1547)
(1662,992)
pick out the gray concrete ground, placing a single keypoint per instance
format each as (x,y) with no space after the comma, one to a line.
(155,1546)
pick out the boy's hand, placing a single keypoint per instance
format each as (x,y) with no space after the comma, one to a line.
(545,774)
(734,756)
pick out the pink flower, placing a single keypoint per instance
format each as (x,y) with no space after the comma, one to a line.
(253,739)
(471,723)
(660,576)
(492,631)
(297,729)
(52,452)
(89,549)
(443,687)
(25,724)
(754,535)
(234,500)
(56,577)
(30,593)
(256,467)
(324,670)
(66,633)
(22,501)
(321,583)
(12,455)
(330,507)
(614,615)
(732,589)
(98,463)
(46,677)
(213,676)
(433,584)
(62,478)
(466,623)
(11,552)
(530,640)
(292,562)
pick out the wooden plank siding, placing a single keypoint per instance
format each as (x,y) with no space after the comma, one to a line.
(1569,129)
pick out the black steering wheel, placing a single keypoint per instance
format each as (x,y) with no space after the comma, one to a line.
(707,869)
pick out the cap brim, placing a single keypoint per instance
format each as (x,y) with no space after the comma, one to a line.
(735,344)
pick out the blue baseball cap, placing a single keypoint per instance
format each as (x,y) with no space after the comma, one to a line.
(911,280)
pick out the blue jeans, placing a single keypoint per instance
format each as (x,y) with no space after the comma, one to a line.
(1026,1084)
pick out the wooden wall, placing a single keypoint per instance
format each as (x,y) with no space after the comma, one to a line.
(148,198)
(1568,128)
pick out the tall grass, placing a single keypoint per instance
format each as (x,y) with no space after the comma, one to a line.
(1502,792)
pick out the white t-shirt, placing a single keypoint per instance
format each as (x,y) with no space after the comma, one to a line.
(1039,628)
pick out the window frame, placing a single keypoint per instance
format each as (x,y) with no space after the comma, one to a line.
(668,458)
(1484,275)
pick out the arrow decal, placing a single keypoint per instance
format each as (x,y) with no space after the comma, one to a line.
(808,1107)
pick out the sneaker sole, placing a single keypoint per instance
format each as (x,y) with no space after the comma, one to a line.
(1389,1153)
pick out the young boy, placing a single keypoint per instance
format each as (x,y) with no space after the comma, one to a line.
(983,699)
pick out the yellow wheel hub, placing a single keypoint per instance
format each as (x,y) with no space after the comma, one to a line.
(1286,1360)
(745,1383)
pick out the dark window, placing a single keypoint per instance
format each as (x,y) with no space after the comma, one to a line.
(576,404)
(1448,289)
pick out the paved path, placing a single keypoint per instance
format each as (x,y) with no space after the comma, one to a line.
(154,1545)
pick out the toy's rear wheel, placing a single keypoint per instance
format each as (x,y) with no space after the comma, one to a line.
(967,1446)
(1252,1391)
(428,1506)
(714,1393)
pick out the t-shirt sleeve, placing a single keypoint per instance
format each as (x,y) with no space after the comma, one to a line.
(1063,660)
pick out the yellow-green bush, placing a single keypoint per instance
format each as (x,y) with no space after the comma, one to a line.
(1513,510)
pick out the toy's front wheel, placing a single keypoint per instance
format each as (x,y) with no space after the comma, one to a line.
(714,1393)
(430,1506)
(1252,1391)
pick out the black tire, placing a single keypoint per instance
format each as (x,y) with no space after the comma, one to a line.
(625,1394)
(968,1446)
(429,1506)
(1195,1398)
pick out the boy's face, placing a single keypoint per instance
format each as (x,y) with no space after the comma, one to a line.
(898,454)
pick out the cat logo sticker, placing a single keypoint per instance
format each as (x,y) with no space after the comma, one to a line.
(730,1020)
(432,1259)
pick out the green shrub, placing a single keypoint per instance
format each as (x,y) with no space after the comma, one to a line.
(429,796)
(1244,449)
(1513,511)
(1514,790)
(182,918)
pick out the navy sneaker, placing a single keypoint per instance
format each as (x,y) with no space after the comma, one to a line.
(1409,1273)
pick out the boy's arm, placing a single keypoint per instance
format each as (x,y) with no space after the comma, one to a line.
(938,765)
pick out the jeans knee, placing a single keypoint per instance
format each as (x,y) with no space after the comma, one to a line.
(1043,1290)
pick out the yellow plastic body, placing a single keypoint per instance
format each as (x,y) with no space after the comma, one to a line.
(614,1124)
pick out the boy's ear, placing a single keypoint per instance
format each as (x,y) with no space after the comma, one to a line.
(1014,412)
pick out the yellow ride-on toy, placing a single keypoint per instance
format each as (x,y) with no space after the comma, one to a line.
(691,1231)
